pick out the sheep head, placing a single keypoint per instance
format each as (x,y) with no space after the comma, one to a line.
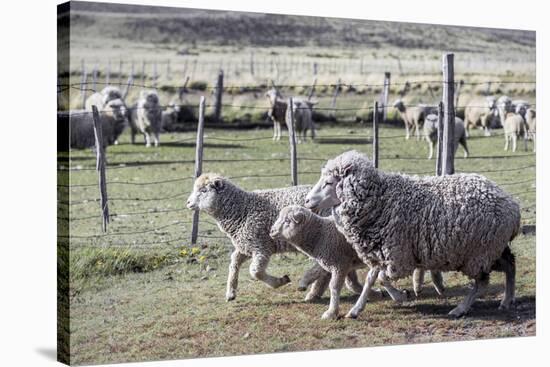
(206,193)
(399,105)
(327,192)
(117,109)
(290,223)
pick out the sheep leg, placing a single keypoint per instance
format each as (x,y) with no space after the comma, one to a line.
(395,294)
(336,283)
(506,140)
(480,286)
(417,130)
(352,283)
(418,281)
(407,131)
(156,139)
(363,298)
(258,271)
(431,145)
(465,146)
(310,276)
(237,260)
(437,280)
(514,142)
(133,136)
(147,139)
(507,264)
(318,287)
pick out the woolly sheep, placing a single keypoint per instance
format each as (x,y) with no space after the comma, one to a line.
(514,127)
(400,222)
(430,134)
(531,119)
(113,121)
(481,113)
(246,218)
(102,99)
(146,117)
(412,116)
(318,238)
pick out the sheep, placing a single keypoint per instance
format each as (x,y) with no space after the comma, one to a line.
(171,113)
(101,100)
(318,238)
(430,134)
(481,113)
(146,117)
(302,115)
(504,105)
(520,106)
(246,218)
(113,121)
(401,222)
(514,127)
(531,120)
(302,119)
(412,116)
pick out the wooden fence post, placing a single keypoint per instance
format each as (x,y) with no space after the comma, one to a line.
(143,73)
(315,67)
(120,63)
(83,85)
(168,72)
(488,91)
(457,93)
(94,78)
(252,63)
(334,96)
(108,73)
(218,97)
(312,89)
(439,139)
(386,95)
(375,117)
(155,75)
(100,167)
(292,141)
(447,167)
(198,166)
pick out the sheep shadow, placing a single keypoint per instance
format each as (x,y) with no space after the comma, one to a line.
(338,141)
(177,144)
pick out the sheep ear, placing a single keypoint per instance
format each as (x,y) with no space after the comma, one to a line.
(346,170)
(297,217)
(218,184)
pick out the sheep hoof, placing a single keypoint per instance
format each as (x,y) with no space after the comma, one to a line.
(312,297)
(417,292)
(285,279)
(329,315)
(352,314)
(302,288)
(505,305)
(230,297)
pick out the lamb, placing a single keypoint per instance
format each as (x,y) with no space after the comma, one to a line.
(412,116)
(514,127)
(481,113)
(146,117)
(430,134)
(246,218)
(401,222)
(531,119)
(113,121)
(318,238)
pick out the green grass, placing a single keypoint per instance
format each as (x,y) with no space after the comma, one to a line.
(150,295)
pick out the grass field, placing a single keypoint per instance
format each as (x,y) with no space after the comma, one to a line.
(142,292)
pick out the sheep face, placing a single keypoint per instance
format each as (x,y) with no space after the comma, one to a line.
(323,194)
(399,105)
(431,122)
(117,109)
(289,223)
(206,193)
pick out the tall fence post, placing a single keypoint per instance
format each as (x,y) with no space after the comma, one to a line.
(312,89)
(155,75)
(83,85)
(459,86)
(108,73)
(447,167)
(292,141)
(252,63)
(143,73)
(94,78)
(385,95)
(218,97)
(120,63)
(198,166)
(488,91)
(375,117)
(439,139)
(334,96)
(100,167)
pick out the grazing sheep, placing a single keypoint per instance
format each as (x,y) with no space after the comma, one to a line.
(481,113)
(412,116)
(246,218)
(102,99)
(531,119)
(318,238)
(401,222)
(514,127)
(113,121)
(430,133)
(146,117)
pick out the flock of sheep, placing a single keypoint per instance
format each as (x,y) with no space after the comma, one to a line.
(358,216)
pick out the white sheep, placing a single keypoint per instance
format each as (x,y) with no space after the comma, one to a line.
(481,113)
(302,112)
(318,238)
(146,117)
(412,116)
(531,119)
(430,134)
(401,222)
(246,218)
(514,127)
